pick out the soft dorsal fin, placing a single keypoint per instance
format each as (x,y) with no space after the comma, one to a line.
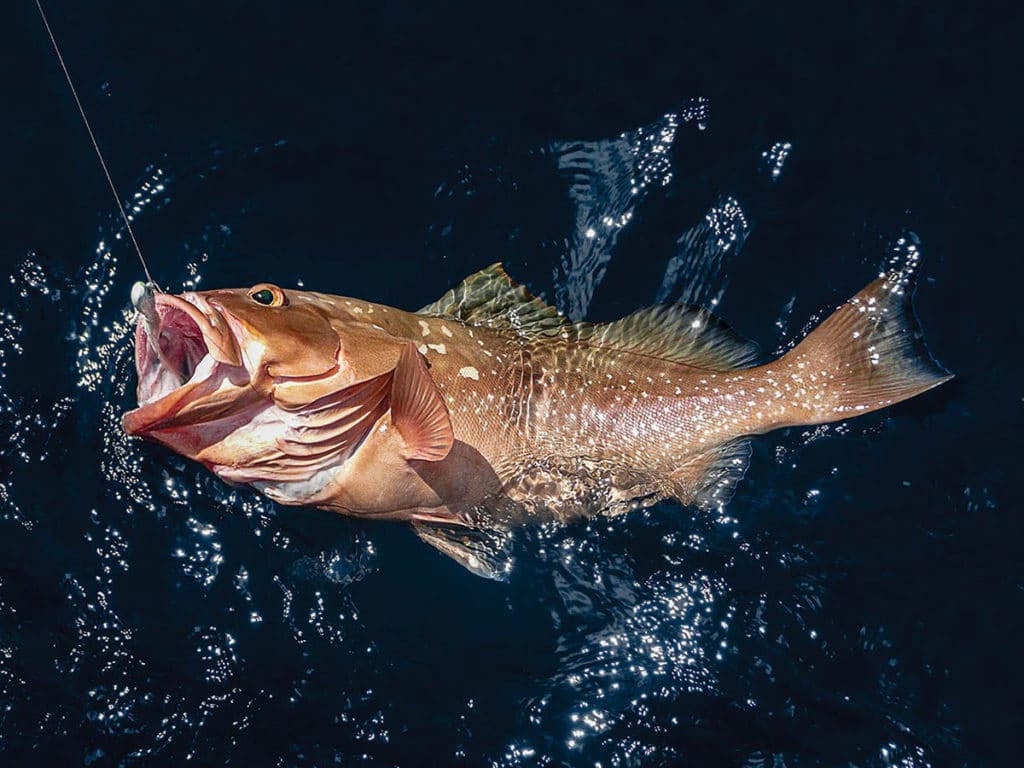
(491,298)
(418,411)
(677,332)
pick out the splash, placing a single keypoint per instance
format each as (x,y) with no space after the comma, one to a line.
(607,180)
(775,157)
(695,274)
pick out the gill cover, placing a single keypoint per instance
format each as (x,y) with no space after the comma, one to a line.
(339,421)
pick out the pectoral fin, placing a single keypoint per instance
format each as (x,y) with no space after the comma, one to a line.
(418,411)
(480,551)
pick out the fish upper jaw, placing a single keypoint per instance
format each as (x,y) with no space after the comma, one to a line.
(188,362)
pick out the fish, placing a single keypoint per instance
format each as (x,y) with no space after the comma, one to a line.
(488,408)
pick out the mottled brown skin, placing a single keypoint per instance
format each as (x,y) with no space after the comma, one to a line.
(538,406)
(456,411)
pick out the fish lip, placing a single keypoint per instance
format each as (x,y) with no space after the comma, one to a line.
(193,352)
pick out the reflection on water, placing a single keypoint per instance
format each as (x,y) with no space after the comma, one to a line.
(157,614)
(606,181)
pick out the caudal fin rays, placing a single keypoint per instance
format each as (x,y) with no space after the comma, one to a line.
(870,352)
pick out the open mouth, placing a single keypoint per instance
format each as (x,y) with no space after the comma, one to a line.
(184,355)
(171,359)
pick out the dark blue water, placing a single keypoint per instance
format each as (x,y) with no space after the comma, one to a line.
(857,603)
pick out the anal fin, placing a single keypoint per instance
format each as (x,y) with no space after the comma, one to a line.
(709,479)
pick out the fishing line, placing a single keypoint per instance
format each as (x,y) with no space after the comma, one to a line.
(95,145)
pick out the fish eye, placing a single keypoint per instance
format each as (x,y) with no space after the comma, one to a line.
(268,295)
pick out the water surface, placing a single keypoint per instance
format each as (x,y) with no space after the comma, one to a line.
(855,603)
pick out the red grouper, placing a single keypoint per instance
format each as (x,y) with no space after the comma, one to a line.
(488,407)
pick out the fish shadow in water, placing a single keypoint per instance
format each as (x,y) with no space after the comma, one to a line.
(463,469)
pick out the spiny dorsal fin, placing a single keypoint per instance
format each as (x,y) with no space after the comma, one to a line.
(418,410)
(492,299)
(677,332)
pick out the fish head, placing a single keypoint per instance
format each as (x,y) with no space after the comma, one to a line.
(298,346)
(206,356)
(222,374)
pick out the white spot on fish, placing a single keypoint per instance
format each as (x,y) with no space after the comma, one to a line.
(439,348)
(469,372)
(423,349)
(445,331)
(425,327)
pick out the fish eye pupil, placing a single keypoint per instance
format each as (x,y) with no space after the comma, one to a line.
(265,297)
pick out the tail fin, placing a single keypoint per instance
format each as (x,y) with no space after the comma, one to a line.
(867,355)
